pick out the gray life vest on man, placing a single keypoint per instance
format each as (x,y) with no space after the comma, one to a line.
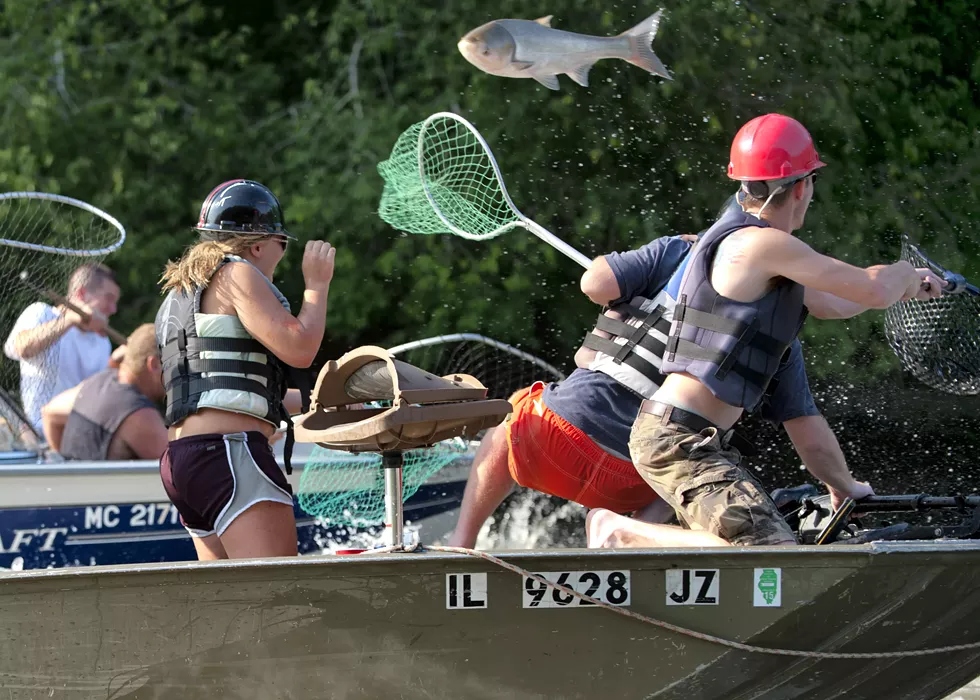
(101,406)
(211,361)
(732,347)
(634,354)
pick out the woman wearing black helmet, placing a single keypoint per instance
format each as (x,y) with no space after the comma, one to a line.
(228,343)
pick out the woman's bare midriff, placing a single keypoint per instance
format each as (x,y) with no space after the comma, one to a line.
(686,392)
(213,420)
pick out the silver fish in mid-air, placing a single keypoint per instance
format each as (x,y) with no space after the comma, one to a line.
(520,48)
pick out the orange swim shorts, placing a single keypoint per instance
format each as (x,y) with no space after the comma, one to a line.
(548,454)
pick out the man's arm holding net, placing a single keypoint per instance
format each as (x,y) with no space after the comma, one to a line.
(36,331)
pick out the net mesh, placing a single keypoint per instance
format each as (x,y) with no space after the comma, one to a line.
(342,488)
(445,157)
(501,368)
(937,341)
(64,237)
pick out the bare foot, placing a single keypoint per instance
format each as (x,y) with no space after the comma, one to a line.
(602,528)
(608,530)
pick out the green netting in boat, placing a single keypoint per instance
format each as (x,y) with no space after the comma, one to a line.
(341,487)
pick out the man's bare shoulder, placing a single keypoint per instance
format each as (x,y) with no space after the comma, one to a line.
(764,242)
(748,244)
(765,234)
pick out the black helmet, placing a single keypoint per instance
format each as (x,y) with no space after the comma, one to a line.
(241,206)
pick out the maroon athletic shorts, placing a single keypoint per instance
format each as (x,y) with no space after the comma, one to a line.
(212,479)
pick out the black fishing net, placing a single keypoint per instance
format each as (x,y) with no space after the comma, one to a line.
(937,341)
(501,368)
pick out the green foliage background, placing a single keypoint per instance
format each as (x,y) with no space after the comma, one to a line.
(141,107)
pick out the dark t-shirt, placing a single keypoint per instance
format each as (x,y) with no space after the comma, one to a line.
(604,409)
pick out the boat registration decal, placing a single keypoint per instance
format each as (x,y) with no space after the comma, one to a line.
(767,588)
(612,587)
(692,586)
(466,591)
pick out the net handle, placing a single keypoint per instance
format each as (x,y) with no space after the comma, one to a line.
(71,252)
(115,335)
(522,222)
(956,283)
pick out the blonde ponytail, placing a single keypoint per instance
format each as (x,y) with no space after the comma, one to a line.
(198,263)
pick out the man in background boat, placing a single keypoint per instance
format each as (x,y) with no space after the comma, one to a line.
(741,300)
(58,348)
(112,415)
(570,438)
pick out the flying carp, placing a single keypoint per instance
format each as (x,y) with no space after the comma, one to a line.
(520,48)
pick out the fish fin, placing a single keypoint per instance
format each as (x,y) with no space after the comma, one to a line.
(549,81)
(521,65)
(544,21)
(581,74)
(641,45)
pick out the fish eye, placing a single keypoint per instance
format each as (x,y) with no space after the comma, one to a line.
(486,52)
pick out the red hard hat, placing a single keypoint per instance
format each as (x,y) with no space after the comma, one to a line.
(772,147)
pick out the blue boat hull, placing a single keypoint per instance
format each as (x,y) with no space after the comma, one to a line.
(124,533)
(55,515)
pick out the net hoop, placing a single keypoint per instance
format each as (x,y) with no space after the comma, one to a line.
(521,219)
(938,341)
(457,337)
(71,252)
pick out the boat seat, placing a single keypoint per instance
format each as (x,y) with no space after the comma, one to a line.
(424,408)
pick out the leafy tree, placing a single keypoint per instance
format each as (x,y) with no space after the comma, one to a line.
(142,107)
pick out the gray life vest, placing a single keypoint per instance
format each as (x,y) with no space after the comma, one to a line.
(101,406)
(732,347)
(211,361)
(634,354)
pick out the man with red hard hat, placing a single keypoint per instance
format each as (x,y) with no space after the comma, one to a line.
(742,298)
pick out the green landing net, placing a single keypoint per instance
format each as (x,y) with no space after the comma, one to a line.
(348,489)
(442,178)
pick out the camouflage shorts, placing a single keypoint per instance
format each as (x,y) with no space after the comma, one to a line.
(699,476)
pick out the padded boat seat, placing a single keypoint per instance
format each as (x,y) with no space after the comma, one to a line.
(425,409)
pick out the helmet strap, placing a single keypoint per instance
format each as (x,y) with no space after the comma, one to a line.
(773,186)
(768,199)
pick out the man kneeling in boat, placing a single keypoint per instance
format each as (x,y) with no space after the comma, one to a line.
(570,438)
(112,415)
(741,301)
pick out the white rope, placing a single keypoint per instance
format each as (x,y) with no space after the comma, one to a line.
(676,628)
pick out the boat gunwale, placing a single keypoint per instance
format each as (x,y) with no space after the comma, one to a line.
(434,563)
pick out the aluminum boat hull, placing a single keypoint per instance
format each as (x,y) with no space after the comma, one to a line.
(396,626)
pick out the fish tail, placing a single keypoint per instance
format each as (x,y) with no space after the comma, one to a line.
(641,45)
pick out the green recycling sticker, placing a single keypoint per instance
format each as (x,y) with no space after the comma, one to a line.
(767,589)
